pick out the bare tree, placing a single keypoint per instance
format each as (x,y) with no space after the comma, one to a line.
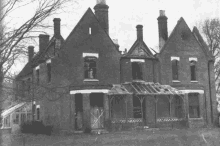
(13,40)
(210,29)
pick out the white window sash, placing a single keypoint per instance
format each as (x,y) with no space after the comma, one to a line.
(90,55)
(193,59)
(175,58)
(137,60)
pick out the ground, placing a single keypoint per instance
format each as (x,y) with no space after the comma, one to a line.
(187,137)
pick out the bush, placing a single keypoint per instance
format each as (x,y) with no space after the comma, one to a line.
(36,127)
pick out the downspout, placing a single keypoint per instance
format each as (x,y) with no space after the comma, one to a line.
(210,93)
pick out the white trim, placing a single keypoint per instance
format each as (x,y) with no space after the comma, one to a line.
(194,81)
(38,67)
(91,55)
(89,91)
(193,59)
(137,60)
(175,58)
(48,61)
(191,91)
(38,106)
(177,81)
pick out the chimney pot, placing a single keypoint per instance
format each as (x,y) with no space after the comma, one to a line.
(162,28)
(56,22)
(43,41)
(30,53)
(101,2)
(162,12)
(101,13)
(139,32)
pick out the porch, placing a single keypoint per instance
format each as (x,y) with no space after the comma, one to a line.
(130,105)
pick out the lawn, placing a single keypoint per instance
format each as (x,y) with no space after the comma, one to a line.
(194,137)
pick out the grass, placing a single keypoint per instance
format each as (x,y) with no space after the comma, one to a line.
(184,137)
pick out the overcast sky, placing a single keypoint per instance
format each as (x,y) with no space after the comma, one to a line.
(124,15)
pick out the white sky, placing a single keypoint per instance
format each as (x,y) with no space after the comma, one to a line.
(124,15)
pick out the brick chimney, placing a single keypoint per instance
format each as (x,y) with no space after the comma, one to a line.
(43,41)
(162,27)
(101,12)
(139,32)
(30,53)
(56,22)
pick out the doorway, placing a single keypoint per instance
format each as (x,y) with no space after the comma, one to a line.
(78,112)
(97,110)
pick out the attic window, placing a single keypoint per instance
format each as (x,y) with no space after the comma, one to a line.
(90,30)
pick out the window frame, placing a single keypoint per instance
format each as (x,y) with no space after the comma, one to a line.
(135,74)
(176,60)
(49,75)
(88,68)
(193,76)
(193,107)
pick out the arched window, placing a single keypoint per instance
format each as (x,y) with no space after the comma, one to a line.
(193,70)
(175,67)
(90,68)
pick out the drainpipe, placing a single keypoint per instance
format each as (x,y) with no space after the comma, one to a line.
(210,93)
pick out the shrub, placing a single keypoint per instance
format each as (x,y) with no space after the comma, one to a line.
(36,127)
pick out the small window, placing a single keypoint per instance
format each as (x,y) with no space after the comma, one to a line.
(38,113)
(175,67)
(90,67)
(137,71)
(194,111)
(193,70)
(38,76)
(29,84)
(90,30)
(48,72)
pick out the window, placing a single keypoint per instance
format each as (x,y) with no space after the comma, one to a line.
(137,71)
(175,66)
(90,30)
(38,113)
(193,70)
(178,102)
(90,68)
(16,120)
(38,76)
(194,111)
(48,72)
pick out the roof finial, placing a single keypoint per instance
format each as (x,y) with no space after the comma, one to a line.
(101,2)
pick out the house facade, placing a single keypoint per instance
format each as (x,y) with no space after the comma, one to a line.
(84,81)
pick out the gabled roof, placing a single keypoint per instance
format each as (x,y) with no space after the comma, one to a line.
(139,50)
(28,68)
(202,42)
(194,34)
(89,10)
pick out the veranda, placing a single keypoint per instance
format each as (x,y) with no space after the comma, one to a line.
(144,104)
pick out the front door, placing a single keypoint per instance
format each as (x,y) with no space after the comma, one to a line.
(97,110)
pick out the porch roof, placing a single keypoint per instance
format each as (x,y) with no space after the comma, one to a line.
(118,90)
(150,88)
(12,109)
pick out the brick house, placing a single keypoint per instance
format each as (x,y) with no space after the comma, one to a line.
(84,81)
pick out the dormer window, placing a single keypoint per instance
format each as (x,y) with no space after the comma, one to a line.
(90,30)
(175,68)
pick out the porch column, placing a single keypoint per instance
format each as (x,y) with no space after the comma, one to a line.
(129,105)
(106,107)
(186,106)
(86,111)
(156,100)
(72,112)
